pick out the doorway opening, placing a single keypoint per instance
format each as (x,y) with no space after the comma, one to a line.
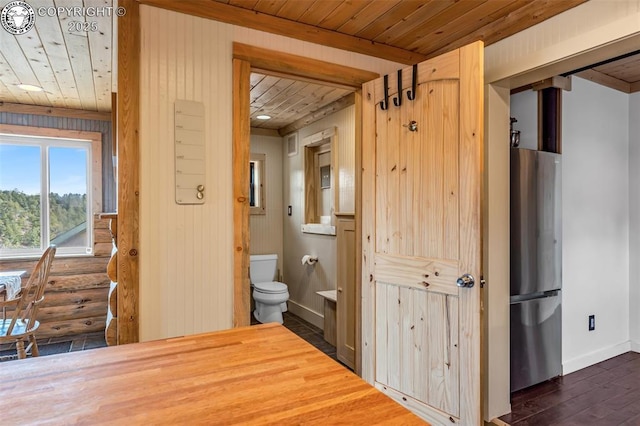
(248,59)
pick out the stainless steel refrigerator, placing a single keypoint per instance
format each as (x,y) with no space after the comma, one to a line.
(536,267)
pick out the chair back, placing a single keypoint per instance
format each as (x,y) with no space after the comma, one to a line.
(32,295)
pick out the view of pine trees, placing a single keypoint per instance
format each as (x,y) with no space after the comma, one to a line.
(20,216)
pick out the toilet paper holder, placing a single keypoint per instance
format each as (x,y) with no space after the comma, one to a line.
(307,259)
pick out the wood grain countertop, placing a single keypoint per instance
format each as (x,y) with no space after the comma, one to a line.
(252,375)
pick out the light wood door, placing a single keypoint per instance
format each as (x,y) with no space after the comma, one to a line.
(420,232)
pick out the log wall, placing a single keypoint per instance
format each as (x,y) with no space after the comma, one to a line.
(76,293)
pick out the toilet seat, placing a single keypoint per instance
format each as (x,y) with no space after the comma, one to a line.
(272,287)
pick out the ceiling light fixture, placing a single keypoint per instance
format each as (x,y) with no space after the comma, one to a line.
(263,117)
(30,88)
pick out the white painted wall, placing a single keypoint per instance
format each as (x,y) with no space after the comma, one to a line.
(304,280)
(266,229)
(186,260)
(595,191)
(634,220)
(186,252)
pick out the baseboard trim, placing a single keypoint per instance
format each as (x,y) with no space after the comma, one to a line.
(306,314)
(635,346)
(595,357)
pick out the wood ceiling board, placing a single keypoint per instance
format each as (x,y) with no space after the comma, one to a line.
(414,21)
(293,10)
(272,93)
(605,80)
(5,93)
(255,79)
(283,99)
(319,114)
(50,33)
(270,7)
(345,12)
(384,21)
(10,81)
(468,22)
(627,69)
(318,11)
(21,67)
(366,16)
(101,56)
(32,49)
(80,57)
(262,86)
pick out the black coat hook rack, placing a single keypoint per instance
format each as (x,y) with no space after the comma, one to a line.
(384,104)
(397,101)
(411,94)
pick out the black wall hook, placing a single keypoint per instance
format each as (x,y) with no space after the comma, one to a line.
(397,101)
(411,94)
(384,104)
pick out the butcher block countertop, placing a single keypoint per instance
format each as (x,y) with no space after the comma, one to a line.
(257,375)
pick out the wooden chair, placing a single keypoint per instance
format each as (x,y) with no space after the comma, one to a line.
(23,323)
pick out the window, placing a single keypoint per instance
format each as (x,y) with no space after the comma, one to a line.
(257,184)
(49,190)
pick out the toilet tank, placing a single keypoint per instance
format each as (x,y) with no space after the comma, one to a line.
(262,267)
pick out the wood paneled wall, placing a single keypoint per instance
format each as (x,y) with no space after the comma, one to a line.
(67,123)
(186,275)
(75,299)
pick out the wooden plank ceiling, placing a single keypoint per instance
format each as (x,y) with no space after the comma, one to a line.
(286,100)
(72,65)
(75,68)
(622,74)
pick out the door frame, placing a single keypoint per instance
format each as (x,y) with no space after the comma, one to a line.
(246,58)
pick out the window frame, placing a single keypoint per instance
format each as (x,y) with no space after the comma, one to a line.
(94,193)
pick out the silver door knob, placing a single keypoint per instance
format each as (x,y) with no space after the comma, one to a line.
(466,281)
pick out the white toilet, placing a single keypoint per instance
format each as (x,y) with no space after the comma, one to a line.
(269,296)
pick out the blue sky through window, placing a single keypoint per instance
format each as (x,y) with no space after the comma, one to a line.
(20,169)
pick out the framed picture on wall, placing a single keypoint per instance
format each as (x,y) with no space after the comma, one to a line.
(291,142)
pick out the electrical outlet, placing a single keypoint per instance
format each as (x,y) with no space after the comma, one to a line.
(592,322)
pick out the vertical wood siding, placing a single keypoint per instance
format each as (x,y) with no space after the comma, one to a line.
(104,127)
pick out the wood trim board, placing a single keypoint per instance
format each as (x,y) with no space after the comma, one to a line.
(54,112)
(128,172)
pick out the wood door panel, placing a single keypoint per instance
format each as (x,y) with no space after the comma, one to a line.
(445,66)
(437,275)
(417,178)
(421,193)
(417,344)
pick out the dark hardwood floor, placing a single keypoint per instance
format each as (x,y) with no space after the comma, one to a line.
(607,393)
